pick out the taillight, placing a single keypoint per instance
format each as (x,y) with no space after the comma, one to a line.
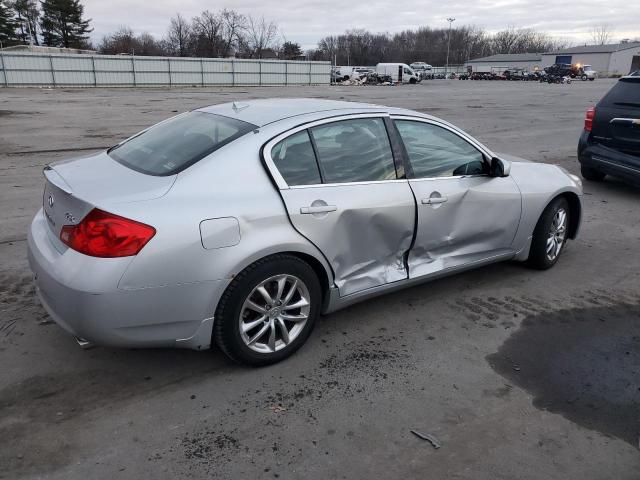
(102,234)
(588,118)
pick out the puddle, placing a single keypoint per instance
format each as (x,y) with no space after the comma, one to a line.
(583,364)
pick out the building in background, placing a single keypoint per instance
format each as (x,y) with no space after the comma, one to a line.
(617,59)
(506,61)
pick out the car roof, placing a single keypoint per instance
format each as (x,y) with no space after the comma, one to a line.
(265,111)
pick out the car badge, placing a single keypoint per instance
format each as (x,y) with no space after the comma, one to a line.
(50,201)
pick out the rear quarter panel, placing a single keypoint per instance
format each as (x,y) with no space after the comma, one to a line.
(229,184)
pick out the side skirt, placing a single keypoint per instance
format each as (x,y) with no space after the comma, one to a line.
(336,302)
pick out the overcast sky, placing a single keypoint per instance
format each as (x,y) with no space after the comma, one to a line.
(306,21)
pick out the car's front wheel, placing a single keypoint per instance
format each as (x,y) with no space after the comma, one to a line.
(268,311)
(550,235)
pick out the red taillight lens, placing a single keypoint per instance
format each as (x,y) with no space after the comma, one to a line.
(588,118)
(102,234)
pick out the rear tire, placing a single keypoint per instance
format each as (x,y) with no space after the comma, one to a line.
(255,330)
(591,174)
(550,235)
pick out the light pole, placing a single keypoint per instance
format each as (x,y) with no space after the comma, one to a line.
(446,68)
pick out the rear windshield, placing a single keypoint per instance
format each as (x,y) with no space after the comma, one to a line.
(173,145)
(625,92)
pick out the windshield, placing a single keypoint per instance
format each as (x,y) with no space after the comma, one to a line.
(175,144)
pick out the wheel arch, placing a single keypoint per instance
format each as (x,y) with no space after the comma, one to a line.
(575,212)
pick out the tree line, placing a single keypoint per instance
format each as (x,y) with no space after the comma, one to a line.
(224,33)
(361,47)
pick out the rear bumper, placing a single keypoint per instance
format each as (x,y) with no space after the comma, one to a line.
(607,160)
(80,294)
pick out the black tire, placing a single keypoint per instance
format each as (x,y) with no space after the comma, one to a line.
(591,174)
(226,326)
(583,78)
(412,81)
(591,79)
(538,258)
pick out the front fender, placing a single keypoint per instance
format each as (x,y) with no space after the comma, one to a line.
(539,184)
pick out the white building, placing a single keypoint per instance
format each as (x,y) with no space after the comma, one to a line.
(619,58)
(505,61)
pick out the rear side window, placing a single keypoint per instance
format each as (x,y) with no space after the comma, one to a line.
(624,93)
(296,161)
(173,145)
(354,151)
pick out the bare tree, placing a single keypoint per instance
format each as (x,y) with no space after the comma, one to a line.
(234,25)
(179,35)
(601,34)
(207,34)
(261,35)
(27,16)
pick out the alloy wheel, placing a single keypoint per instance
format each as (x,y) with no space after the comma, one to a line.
(274,313)
(557,234)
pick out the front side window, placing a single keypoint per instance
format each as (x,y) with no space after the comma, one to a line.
(355,150)
(437,152)
(296,161)
(172,146)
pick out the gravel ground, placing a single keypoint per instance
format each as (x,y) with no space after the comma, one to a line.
(517,373)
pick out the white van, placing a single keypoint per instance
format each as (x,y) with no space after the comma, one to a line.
(394,70)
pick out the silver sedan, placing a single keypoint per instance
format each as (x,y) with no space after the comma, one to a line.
(241,223)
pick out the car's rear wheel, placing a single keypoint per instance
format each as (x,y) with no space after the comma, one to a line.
(268,311)
(550,235)
(592,174)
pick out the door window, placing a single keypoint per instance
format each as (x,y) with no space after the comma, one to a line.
(437,152)
(296,161)
(355,150)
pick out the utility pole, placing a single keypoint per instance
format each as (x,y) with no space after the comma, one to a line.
(446,68)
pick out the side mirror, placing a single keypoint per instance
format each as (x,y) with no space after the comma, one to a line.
(500,167)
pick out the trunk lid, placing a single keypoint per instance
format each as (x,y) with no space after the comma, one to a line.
(76,186)
(617,121)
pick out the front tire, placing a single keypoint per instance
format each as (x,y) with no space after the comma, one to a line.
(591,174)
(268,311)
(550,235)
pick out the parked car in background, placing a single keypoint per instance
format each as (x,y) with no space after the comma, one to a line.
(240,224)
(423,69)
(398,70)
(610,141)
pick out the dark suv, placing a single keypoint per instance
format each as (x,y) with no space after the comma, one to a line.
(610,142)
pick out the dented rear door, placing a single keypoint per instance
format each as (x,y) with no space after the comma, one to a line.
(340,184)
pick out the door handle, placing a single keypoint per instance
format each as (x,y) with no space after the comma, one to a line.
(434,200)
(318,209)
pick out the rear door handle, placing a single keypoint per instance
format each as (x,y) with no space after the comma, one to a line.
(434,200)
(318,209)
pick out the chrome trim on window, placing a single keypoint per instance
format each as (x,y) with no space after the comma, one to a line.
(275,173)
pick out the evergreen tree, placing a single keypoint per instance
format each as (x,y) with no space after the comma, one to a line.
(7,26)
(62,24)
(27,14)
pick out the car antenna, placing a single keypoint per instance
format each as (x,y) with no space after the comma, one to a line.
(237,107)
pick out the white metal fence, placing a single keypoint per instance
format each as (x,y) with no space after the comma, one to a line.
(60,70)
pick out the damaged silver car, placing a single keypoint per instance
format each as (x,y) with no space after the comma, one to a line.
(239,224)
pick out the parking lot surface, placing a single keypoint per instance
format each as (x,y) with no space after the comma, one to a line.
(517,373)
